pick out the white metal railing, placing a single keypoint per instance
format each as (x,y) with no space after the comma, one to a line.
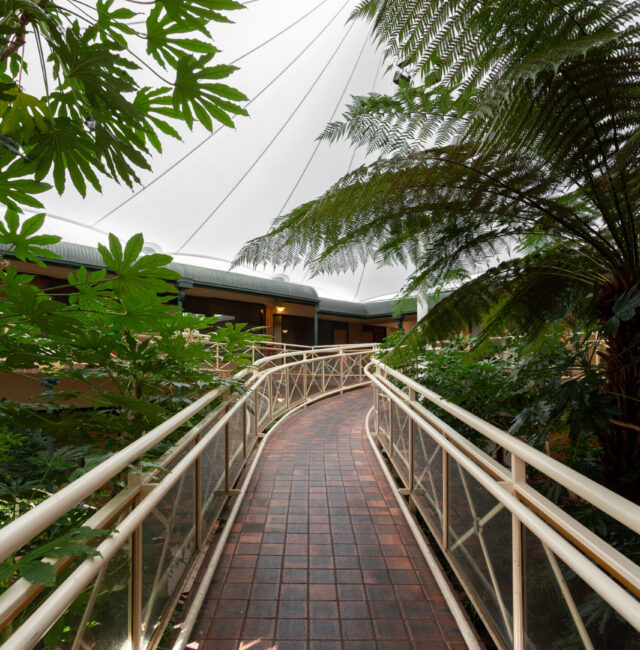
(270,349)
(538,578)
(162,519)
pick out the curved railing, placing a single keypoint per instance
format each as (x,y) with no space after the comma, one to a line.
(162,519)
(537,577)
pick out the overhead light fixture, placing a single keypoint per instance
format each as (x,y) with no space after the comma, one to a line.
(280,308)
(400,76)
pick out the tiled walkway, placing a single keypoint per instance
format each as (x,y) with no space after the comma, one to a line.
(320,557)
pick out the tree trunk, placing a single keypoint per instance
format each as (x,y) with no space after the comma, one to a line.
(621,443)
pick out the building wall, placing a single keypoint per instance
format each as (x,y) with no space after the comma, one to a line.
(297,329)
(250,313)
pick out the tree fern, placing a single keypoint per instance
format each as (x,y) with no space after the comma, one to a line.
(528,144)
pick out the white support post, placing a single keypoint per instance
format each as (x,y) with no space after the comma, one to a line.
(518,475)
(305,372)
(287,387)
(412,399)
(445,499)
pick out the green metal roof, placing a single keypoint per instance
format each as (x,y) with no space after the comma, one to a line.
(229,281)
(81,255)
(376,309)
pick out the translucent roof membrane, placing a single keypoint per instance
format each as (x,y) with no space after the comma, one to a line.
(209,194)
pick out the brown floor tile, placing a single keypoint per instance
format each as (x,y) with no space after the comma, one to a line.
(291,628)
(320,556)
(256,629)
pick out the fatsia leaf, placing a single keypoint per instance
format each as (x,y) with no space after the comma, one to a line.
(194,96)
(38,572)
(137,277)
(23,241)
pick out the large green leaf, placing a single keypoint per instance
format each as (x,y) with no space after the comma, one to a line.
(196,98)
(137,276)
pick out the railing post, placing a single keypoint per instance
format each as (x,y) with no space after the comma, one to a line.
(377,411)
(305,367)
(341,359)
(518,475)
(255,410)
(227,485)
(270,386)
(412,399)
(198,499)
(287,379)
(445,499)
(245,422)
(323,383)
(136,589)
(390,427)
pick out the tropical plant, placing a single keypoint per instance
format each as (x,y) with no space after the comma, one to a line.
(510,173)
(110,357)
(97,117)
(551,396)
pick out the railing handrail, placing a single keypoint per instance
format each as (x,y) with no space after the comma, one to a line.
(32,629)
(595,561)
(18,532)
(611,503)
(615,562)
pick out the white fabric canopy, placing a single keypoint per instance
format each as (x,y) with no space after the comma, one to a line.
(175,205)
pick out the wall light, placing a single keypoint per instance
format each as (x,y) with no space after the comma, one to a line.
(280,308)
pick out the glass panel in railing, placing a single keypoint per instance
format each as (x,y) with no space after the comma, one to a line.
(384,421)
(279,391)
(236,449)
(212,480)
(332,373)
(169,464)
(251,422)
(480,547)
(314,378)
(98,618)
(85,612)
(263,403)
(427,463)
(353,369)
(561,610)
(296,384)
(401,440)
(168,548)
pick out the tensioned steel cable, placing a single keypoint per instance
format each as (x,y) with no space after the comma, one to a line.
(280,33)
(373,87)
(275,137)
(353,155)
(253,99)
(333,114)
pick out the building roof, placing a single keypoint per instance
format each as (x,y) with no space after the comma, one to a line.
(374,309)
(81,255)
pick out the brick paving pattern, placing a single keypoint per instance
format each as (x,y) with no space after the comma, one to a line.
(320,556)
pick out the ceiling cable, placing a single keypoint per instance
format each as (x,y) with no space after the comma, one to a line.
(275,137)
(373,87)
(253,99)
(280,33)
(333,114)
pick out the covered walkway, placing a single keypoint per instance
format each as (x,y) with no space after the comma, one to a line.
(320,556)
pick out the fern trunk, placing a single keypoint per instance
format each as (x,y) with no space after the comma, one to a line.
(621,442)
